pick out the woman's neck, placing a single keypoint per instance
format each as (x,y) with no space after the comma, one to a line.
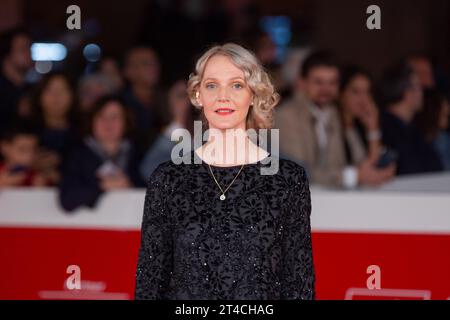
(110,147)
(230,149)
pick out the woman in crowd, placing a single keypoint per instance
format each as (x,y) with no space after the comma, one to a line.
(361,127)
(106,160)
(359,115)
(54,112)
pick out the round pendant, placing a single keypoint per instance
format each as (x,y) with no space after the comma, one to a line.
(222,197)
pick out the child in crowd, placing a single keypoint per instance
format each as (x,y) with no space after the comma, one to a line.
(18,147)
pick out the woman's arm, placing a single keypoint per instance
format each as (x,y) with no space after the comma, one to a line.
(371,121)
(154,265)
(298,276)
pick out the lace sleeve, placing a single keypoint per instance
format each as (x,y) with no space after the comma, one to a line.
(154,265)
(298,276)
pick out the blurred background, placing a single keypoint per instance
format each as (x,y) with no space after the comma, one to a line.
(142,52)
(407,27)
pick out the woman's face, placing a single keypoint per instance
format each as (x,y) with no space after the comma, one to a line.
(444,116)
(109,124)
(56,99)
(224,94)
(357,95)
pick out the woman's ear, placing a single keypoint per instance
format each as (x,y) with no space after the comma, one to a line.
(197,98)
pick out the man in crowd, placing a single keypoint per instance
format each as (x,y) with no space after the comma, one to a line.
(402,95)
(311,133)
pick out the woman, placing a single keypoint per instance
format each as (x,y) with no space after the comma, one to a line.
(106,160)
(54,114)
(222,230)
(361,127)
(359,116)
(433,121)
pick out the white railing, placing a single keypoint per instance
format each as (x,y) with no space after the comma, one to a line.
(333,211)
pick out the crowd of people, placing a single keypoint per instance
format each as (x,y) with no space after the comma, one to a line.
(111,128)
(349,131)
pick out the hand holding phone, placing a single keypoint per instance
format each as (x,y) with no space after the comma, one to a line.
(387,157)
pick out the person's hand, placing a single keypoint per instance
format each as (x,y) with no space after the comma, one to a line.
(388,173)
(46,159)
(179,102)
(8,179)
(114,182)
(369,174)
(369,115)
(51,176)
(39,180)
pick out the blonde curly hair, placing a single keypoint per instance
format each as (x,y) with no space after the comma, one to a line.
(265,98)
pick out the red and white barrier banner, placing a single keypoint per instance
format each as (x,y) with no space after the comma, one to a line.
(366,245)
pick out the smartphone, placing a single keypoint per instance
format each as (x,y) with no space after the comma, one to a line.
(387,157)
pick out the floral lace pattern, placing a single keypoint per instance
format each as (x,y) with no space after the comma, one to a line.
(255,245)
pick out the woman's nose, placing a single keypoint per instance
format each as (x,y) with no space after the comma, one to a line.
(223,94)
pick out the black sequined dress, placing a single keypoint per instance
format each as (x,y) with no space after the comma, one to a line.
(255,244)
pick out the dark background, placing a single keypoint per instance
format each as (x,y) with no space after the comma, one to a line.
(408,26)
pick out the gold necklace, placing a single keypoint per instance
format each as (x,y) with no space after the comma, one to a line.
(222,196)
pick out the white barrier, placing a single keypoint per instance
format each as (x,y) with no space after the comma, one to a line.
(333,211)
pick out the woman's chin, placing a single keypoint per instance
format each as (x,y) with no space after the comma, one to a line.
(226,127)
(224,124)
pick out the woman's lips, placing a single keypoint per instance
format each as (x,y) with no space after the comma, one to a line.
(224,111)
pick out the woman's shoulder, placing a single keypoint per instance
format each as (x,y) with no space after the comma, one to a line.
(292,171)
(171,171)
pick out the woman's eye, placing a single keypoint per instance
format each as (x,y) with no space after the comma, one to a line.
(238,86)
(210,85)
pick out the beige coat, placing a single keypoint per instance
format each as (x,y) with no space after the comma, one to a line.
(298,140)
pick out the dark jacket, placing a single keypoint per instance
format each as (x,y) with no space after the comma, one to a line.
(9,99)
(414,154)
(80,185)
